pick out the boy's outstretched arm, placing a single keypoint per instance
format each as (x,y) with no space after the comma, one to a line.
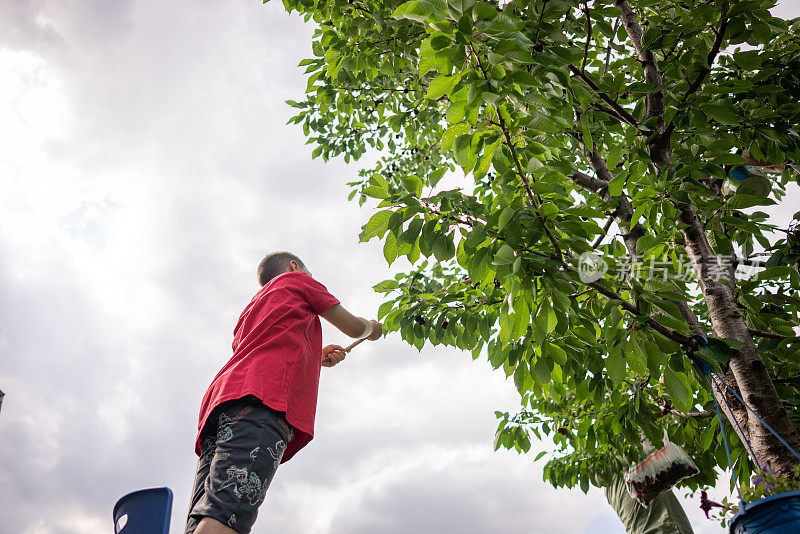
(350,325)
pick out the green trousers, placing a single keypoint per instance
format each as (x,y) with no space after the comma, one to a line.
(664,515)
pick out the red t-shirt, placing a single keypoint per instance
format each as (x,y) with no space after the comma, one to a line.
(277,355)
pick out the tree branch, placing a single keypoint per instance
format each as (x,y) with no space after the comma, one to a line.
(590,183)
(535,201)
(787,380)
(770,335)
(622,112)
(659,144)
(712,54)
(602,236)
(706,70)
(610,112)
(610,42)
(747,371)
(652,75)
(623,216)
(630,308)
(588,36)
(624,212)
(705,414)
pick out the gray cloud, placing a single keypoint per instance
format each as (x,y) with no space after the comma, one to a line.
(482,493)
(20,27)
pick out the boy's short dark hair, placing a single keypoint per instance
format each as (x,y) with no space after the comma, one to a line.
(275,263)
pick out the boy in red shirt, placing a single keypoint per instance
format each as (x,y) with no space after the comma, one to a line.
(259,409)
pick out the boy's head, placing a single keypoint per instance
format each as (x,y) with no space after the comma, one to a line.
(276,263)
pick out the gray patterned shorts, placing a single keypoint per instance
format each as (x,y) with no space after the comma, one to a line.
(241,447)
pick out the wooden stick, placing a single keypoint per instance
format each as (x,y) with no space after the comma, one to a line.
(352,345)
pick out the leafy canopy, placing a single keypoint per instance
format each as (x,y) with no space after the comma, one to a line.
(542,112)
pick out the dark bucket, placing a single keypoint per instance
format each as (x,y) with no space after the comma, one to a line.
(776,514)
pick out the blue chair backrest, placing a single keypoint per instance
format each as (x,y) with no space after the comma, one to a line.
(143,512)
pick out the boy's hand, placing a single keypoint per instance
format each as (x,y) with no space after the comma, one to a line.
(332,354)
(377,331)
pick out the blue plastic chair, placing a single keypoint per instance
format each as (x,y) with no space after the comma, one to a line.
(145,511)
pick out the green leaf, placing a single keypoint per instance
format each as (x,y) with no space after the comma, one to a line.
(420,10)
(748,60)
(646,242)
(548,209)
(464,152)
(384,309)
(557,353)
(386,286)
(670,322)
(616,184)
(443,247)
(476,236)
(449,135)
(377,225)
(728,159)
(411,235)
(541,371)
(725,114)
(534,163)
(776,273)
(735,344)
(427,237)
(637,359)
(440,40)
(376,192)
(676,390)
(461,6)
(522,317)
(742,201)
(615,365)
(390,248)
(505,216)
(586,132)
(546,319)
(441,85)
(520,377)
(455,111)
(708,435)
(505,255)
(412,184)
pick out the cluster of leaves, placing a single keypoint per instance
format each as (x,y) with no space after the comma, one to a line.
(542,106)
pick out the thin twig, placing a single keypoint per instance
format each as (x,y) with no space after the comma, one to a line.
(770,335)
(623,113)
(610,42)
(712,55)
(588,36)
(787,380)
(605,232)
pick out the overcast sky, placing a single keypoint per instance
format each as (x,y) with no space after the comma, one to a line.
(146,168)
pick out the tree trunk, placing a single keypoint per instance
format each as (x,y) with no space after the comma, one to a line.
(746,368)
